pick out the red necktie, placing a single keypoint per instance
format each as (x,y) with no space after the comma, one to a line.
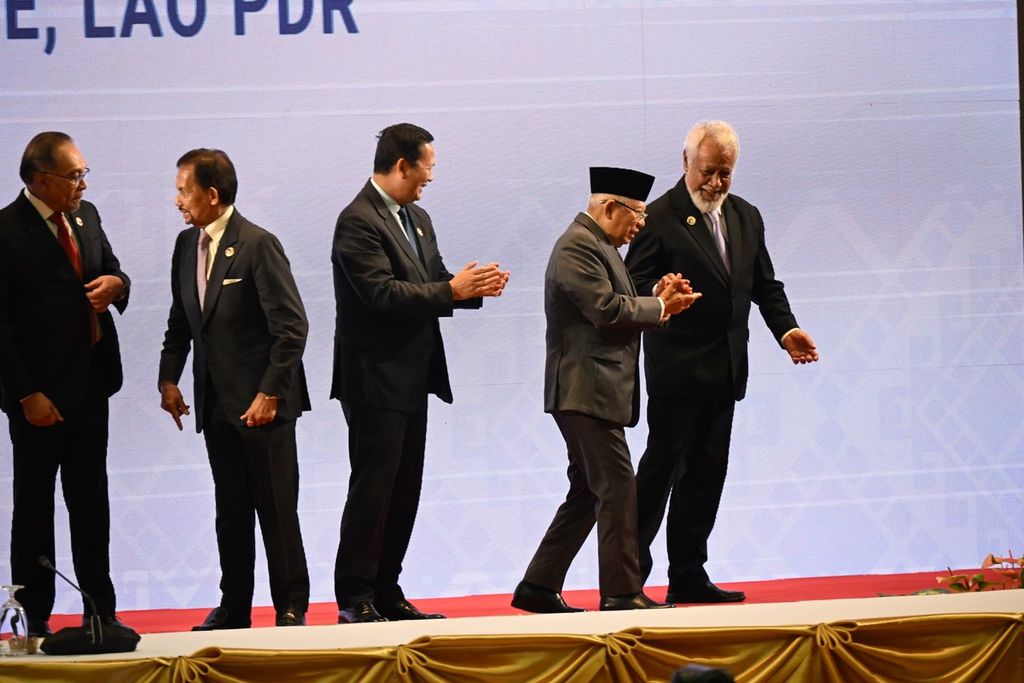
(71,249)
(66,242)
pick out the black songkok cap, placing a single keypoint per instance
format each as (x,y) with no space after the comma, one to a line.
(623,182)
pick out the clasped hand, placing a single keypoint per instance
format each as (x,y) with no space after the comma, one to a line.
(677,294)
(473,281)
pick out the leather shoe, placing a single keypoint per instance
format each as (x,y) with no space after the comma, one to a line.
(38,629)
(634,601)
(403,610)
(291,617)
(219,619)
(702,591)
(361,612)
(530,597)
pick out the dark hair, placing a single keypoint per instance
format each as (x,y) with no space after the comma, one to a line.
(41,154)
(400,141)
(212,168)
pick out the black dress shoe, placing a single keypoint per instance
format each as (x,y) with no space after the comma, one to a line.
(38,629)
(530,597)
(403,610)
(219,618)
(291,617)
(634,601)
(702,591)
(359,613)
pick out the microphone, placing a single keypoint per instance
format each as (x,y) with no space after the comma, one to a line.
(79,640)
(45,561)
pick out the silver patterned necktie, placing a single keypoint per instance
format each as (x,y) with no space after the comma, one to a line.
(202,256)
(716,233)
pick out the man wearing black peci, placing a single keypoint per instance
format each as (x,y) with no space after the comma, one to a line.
(594,317)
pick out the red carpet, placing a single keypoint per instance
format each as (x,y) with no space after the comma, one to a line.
(779,590)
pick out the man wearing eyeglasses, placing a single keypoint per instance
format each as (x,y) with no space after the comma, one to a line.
(59,364)
(696,368)
(592,389)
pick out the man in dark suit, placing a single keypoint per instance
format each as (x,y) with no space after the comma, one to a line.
(234,300)
(390,288)
(59,364)
(696,368)
(591,387)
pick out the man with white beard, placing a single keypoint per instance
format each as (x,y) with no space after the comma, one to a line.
(696,366)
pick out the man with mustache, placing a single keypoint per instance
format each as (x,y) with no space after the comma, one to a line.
(390,288)
(59,364)
(696,367)
(234,303)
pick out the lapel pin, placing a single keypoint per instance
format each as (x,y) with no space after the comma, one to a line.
(78,219)
(690,220)
(229,252)
(419,231)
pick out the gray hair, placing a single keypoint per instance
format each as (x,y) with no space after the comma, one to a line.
(718,131)
(599,198)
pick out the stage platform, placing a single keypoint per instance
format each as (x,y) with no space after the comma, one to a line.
(959,637)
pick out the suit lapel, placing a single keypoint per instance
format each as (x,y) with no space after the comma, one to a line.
(39,231)
(734,226)
(227,252)
(619,273)
(696,228)
(397,232)
(187,276)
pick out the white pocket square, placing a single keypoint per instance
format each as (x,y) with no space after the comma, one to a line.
(231,281)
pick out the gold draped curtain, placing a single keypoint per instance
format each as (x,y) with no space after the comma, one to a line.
(939,649)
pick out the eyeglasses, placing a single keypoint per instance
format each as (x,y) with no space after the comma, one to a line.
(76,179)
(640,215)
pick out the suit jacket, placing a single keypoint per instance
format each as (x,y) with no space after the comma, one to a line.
(703,351)
(594,318)
(45,342)
(388,351)
(251,333)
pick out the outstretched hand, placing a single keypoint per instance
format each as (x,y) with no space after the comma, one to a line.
(801,347)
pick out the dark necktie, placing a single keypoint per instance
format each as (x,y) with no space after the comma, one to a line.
(202,255)
(410,232)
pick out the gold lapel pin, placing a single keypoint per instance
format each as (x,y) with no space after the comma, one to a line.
(229,252)
(419,231)
(690,220)
(78,219)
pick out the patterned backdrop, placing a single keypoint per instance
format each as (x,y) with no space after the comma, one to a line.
(881,142)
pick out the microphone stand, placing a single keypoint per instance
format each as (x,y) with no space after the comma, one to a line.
(95,623)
